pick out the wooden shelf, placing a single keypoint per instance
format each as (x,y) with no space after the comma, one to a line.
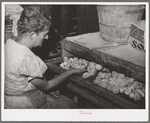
(121,58)
(94,93)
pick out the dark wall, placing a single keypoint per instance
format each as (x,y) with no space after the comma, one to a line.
(87,19)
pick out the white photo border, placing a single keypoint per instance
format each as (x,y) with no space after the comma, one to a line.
(75,115)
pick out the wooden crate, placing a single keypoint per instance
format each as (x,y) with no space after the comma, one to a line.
(122,59)
(97,95)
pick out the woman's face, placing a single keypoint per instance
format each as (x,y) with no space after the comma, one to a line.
(40,38)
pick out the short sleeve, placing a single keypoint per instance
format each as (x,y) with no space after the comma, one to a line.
(32,67)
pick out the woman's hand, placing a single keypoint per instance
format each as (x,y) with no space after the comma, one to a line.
(77,71)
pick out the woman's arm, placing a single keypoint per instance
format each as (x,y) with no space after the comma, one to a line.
(47,86)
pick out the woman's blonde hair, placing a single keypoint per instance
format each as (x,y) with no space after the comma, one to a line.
(32,19)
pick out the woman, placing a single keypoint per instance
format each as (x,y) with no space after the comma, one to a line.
(25,84)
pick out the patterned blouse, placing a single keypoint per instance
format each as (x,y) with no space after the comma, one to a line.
(21,65)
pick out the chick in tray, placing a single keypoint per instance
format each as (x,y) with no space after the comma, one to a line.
(82,64)
(119,83)
(73,63)
(92,69)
